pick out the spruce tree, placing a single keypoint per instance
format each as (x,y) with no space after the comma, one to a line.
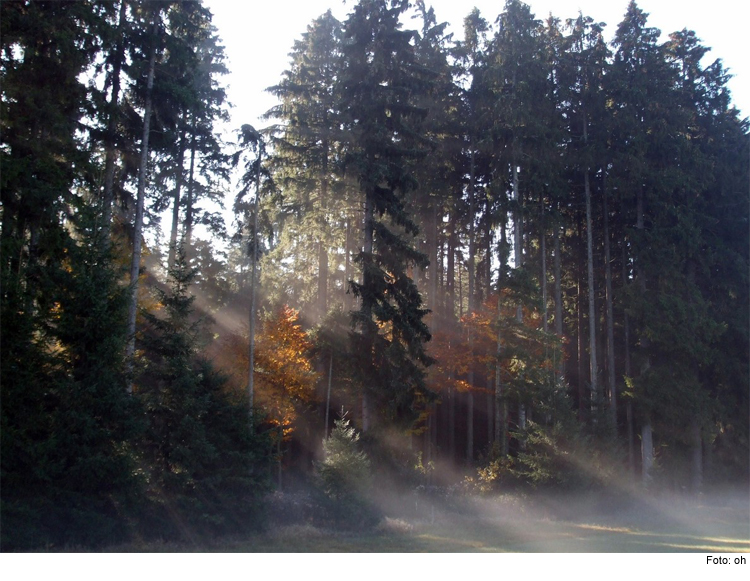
(204,460)
(306,163)
(380,79)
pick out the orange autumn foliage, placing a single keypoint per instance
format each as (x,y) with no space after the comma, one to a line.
(284,376)
(523,344)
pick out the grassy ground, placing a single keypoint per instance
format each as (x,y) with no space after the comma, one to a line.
(510,524)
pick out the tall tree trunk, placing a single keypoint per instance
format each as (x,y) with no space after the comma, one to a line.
(322,249)
(328,391)
(451,416)
(518,249)
(433,269)
(470,425)
(434,437)
(450,281)
(558,303)
(440,297)
(428,436)
(580,343)
(696,457)
(135,263)
(470,311)
(176,201)
(543,274)
(490,407)
(501,412)
(366,305)
(460,290)
(472,239)
(347,305)
(647,449)
(647,452)
(487,253)
(610,319)
(253,292)
(708,458)
(111,139)
(188,237)
(629,405)
(593,368)
(279,455)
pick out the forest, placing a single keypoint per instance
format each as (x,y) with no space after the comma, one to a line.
(514,263)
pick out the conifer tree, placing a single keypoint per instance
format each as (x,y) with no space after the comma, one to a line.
(153,17)
(380,78)
(587,130)
(517,77)
(204,460)
(66,417)
(307,153)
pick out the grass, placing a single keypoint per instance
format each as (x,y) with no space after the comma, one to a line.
(505,524)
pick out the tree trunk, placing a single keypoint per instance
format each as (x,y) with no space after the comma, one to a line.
(460,291)
(470,311)
(501,412)
(278,453)
(110,142)
(470,424)
(135,263)
(647,450)
(176,201)
(610,320)
(450,281)
(580,343)
(488,252)
(558,304)
(328,392)
(322,249)
(592,308)
(518,249)
(629,405)
(543,274)
(434,434)
(696,453)
(647,453)
(189,202)
(366,306)
(708,458)
(472,241)
(253,289)
(347,254)
(432,249)
(489,405)
(451,417)
(593,368)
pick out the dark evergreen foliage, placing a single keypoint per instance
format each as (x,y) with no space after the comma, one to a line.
(203,464)
(381,79)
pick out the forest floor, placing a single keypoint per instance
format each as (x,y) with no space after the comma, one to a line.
(715,524)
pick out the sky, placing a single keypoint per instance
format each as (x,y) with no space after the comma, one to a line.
(259,35)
